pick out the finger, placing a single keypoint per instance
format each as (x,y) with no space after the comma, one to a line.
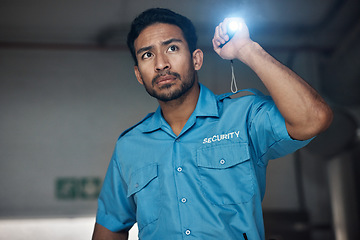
(216,47)
(216,43)
(217,36)
(223,27)
(223,31)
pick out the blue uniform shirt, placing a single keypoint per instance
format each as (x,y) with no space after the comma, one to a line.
(206,183)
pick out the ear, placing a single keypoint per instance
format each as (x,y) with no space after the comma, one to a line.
(197,59)
(138,75)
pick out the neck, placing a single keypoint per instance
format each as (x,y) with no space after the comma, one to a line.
(178,111)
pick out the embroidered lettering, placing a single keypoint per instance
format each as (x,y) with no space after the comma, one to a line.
(220,137)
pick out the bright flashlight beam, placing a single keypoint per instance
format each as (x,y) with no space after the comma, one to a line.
(234,26)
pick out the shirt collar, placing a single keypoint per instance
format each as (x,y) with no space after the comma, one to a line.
(207,103)
(205,107)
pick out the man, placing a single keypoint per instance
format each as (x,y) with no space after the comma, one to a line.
(195,169)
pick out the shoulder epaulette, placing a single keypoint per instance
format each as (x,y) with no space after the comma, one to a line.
(137,124)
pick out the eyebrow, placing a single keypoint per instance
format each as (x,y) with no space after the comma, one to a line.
(167,42)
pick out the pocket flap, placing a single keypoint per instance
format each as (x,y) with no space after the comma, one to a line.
(223,156)
(141,177)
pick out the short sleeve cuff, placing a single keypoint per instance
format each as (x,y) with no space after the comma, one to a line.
(111,223)
(284,144)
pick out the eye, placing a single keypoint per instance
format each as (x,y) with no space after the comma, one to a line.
(173,48)
(146,55)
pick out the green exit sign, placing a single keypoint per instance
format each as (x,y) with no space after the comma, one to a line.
(71,188)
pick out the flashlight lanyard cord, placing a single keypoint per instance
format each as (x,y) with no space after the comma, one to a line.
(233,80)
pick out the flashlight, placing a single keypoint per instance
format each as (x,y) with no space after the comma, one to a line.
(232,27)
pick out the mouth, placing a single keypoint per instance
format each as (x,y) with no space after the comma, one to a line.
(165,79)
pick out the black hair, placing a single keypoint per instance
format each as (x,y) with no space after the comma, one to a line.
(161,15)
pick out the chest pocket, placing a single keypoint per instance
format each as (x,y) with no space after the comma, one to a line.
(226,174)
(143,186)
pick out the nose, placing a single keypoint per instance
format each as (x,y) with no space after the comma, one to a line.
(162,63)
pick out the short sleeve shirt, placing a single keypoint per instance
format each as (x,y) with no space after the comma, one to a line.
(206,183)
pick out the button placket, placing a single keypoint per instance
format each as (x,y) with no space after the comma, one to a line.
(179,175)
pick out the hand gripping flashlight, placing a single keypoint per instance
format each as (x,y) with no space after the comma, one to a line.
(232,27)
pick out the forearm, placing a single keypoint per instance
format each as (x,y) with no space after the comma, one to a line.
(102,233)
(305,112)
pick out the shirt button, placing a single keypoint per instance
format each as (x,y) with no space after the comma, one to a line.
(222,161)
(183,200)
(187,232)
(179,169)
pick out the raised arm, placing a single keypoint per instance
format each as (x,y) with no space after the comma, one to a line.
(305,112)
(102,233)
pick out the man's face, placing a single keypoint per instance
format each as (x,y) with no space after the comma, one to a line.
(166,67)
